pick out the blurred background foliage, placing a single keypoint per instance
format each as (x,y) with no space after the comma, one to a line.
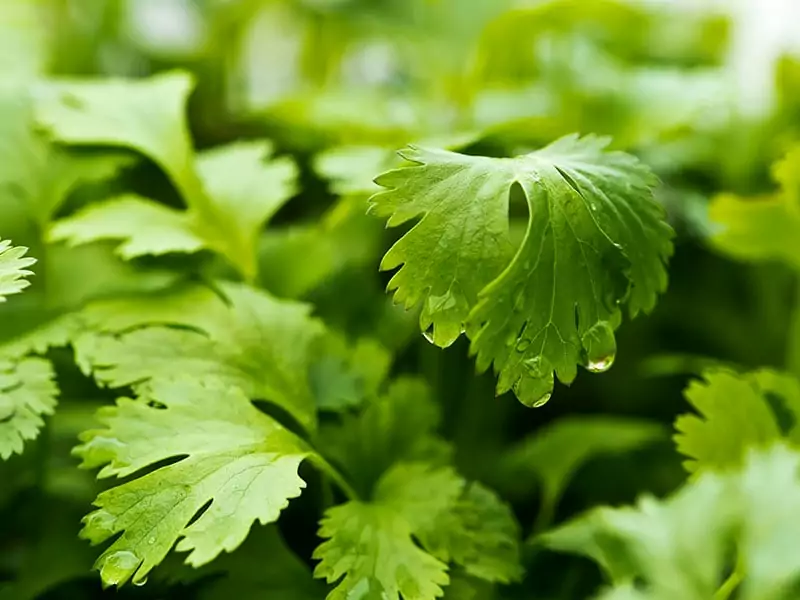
(340,85)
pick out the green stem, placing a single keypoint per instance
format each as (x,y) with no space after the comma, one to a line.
(546,514)
(728,586)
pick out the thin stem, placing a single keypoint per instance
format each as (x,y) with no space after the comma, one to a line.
(546,514)
(728,586)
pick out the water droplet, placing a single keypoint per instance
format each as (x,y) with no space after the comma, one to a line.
(523,344)
(428,334)
(600,366)
(100,523)
(140,582)
(151,540)
(118,567)
(542,401)
(535,387)
(599,347)
(446,301)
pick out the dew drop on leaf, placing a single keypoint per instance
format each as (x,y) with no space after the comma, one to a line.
(428,334)
(599,347)
(140,582)
(523,345)
(118,567)
(535,387)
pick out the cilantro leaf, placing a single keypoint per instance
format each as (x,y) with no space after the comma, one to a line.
(27,392)
(765,228)
(553,455)
(238,461)
(595,238)
(370,549)
(455,521)
(13,269)
(682,547)
(247,339)
(144,226)
(736,412)
(147,116)
(230,192)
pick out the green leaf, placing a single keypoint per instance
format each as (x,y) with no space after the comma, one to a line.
(246,338)
(737,412)
(554,454)
(147,116)
(398,426)
(13,269)
(596,238)
(230,192)
(27,392)
(238,461)
(764,228)
(37,173)
(370,549)
(684,547)
(459,522)
(144,226)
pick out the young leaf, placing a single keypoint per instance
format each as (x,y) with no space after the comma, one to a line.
(553,454)
(235,466)
(736,413)
(27,391)
(13,269)
(459,522)
(370,549)
(595,238)
(766,228)
(683,547)
(454,521)
(248,339)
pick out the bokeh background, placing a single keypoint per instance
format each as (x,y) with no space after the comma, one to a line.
(707,93)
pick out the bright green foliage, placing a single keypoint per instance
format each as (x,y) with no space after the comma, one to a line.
(766,228)
(370,548)
(553,456)
(27,392)
(240,460)
(246,338)
(40,175)
(230,192)
(459,522)
(683,547)
(595,239)
(455,522)
(13,269)
(736,413)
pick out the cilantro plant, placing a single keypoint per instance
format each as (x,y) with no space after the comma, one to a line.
(394,300)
